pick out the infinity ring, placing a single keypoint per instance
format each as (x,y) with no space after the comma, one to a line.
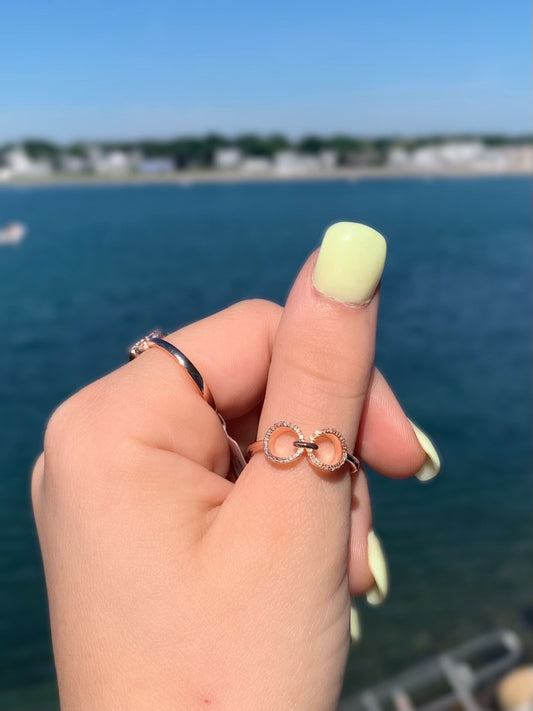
(311,447)
(156,339)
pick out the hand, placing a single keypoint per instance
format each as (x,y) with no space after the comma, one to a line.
(171,587)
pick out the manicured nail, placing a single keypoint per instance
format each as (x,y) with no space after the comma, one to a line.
(431,466)
(355,627)
(350,262)
(378,567)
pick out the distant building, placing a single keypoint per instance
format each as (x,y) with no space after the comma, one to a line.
(460,155)
(328,159)
(156,166)
(256,164)
(289,162)
(427,157)
(520,157)
(69,163)
(230,158)
(94,156)
(460,152)
(18,163)
(362,159)
(399,158)
(292,162)
(113,163)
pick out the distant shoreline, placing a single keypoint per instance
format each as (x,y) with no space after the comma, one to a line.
(192,177)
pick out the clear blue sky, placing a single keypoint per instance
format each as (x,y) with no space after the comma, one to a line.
(113,68)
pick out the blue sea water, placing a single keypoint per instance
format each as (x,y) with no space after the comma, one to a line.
(102,265)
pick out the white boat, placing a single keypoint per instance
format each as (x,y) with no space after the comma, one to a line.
(12,233)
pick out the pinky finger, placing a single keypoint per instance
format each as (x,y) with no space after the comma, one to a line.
(367,565)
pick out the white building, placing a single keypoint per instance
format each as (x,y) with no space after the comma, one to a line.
(72,164)
(95,157)
(156,166)
(459,153)
(228,158)
(399,158)
(328,159)
(463,155)
(427,158)
(115,162)
(520,158)
(256,164)
(112,163)
(18,163)
(292,162)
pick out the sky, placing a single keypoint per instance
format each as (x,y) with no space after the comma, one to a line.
(138,68)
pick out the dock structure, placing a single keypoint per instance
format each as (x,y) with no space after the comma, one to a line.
(446,682)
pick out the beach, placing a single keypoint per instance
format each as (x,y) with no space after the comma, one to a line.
(198,177)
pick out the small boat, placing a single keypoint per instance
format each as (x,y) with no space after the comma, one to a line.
(12,233)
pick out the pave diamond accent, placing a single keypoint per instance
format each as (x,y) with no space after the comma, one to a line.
(339,443)
(310,447)
(143,344)
(281,428)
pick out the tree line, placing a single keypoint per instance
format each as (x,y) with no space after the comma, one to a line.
(199,151)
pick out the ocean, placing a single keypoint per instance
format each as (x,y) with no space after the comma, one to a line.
(103,265)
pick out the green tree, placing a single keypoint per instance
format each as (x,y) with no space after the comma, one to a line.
(38,148)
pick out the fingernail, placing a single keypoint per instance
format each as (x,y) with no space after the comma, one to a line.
(350,262)
(355,626)
(431,466)
(378,567)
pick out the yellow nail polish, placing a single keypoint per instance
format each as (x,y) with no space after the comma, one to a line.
(355,626)
(350,262)
(431,466)
(379,569)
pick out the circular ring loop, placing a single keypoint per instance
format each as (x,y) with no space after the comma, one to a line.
(340,447)
(274,433)
(310,447)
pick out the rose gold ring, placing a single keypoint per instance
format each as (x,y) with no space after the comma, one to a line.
(338,449)
(155,339)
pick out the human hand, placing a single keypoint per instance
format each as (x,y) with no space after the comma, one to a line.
(171,587)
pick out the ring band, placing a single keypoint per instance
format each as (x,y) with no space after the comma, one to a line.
(310,447)
(156,339)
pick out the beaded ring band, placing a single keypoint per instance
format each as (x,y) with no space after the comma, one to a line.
(311,447)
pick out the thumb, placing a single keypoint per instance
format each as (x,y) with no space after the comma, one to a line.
(320,369)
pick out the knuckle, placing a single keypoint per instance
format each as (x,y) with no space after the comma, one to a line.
(71,430)
(84,442)
(257,309)
(66,421)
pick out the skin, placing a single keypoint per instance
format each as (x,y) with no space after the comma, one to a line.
(171,587)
